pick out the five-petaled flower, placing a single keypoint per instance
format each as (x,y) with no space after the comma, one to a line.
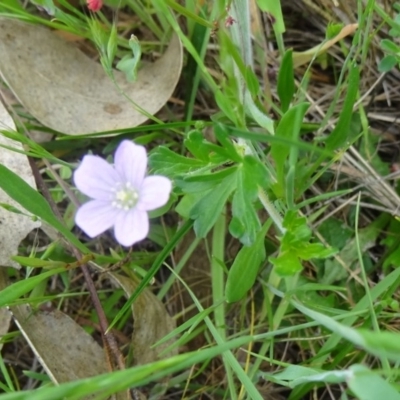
(121,194)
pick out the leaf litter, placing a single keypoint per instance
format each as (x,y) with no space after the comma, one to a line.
(70,93)
(15,226)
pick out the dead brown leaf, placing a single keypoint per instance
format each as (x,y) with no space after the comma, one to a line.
(70,93)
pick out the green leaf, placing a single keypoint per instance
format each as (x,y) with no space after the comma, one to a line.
(340,133)
(273,7)
(286,264)
(101,41)
(129,64)
(333,30)
(286,87)
(367,385)
(38,263)
(367,147)
(243,273)
(315,250)
(35,203)
(289,128)
(186,204)
(391,241)
(245,223)
(295,246)
(19,289)
(225,106)
(345,332)
(208,209)
(395,30)
(221,133)
(197,145)
(208,151)
(203,182)
(14,210)
(295,375)
(48,5)
(388,46)
(387,63)
(166,162)
(251,81)
(335,232)
(382,344)
(333,270)
(112,44)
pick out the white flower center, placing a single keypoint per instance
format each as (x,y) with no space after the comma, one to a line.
(125,196)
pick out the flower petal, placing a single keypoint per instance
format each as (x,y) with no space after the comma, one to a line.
(96,178)
(154,193)
(131,227)
(94,5)
(95,217)
(131,162)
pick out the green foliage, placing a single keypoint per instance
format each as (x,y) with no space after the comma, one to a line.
(206,192)
(387,63)
(274,8)
(367,384)
(48,5)
(388,46)
(289,128)
(129,64)
(245,223)
(207,210)
(225,105)
(333,270)
(111,48)
(392,242)
(363,382)
(19,289)
(333,30)
(243,272)
(171,164)
(295,246)
(252,81)
(286,87)
(392,58)
(15,4)
(340,134)
(105,44)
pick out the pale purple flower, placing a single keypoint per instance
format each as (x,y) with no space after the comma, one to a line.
(121,194)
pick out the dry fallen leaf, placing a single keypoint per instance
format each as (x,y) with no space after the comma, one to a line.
(14,227)
(70,93)
(151,323)
(64,349)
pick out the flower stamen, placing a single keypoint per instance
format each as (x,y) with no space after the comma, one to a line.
(125,197)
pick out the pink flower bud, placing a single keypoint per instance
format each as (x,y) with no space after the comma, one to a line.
(94,5)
